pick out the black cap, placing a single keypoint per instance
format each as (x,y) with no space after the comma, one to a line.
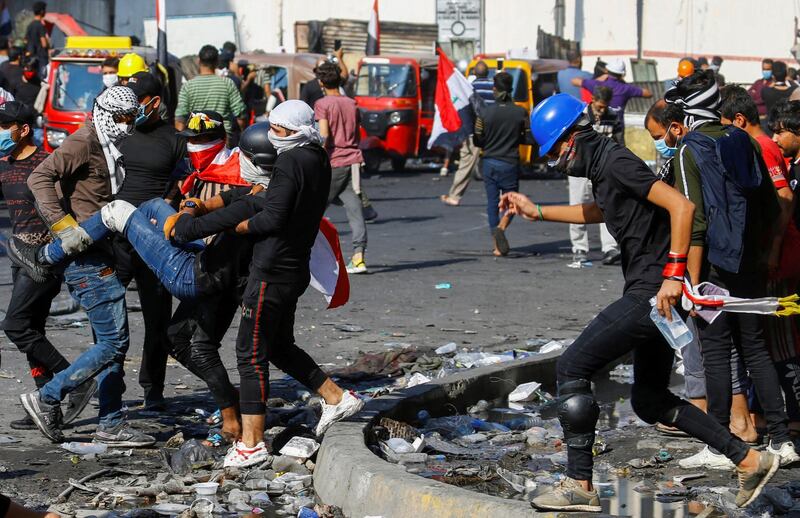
(15,111)
(144,84)
(204,122)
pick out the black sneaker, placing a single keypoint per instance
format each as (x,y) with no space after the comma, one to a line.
(78,399)
(47,418)
(26,423)
(123,436)
(612,257)
(24,255)
(155,404)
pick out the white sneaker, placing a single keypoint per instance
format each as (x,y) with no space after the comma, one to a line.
(443,171)
(240,456)
(349,405)
(705,458)
(115,215)
(786,452)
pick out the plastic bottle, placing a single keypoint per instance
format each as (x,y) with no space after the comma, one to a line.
(451,426)
(85,448)
(524,422)
(676,333)
(487,426)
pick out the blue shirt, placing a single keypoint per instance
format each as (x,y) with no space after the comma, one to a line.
(565,78)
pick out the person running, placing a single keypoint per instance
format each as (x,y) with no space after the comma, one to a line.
(721,171)
(30,300)
(652,222)
(499,131)
(89,168)
(469,153)
(339,126)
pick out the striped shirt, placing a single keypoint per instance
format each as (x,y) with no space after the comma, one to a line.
(210,92)
(483,87)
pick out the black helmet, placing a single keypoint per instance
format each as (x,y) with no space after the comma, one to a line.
(255,145)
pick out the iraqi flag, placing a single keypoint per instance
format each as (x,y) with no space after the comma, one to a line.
(373,32)
(328,271)
(454,119)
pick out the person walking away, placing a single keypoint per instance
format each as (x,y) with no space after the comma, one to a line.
(780,89)
(37,41)
(638,208)
(573,71)
(337,116)
(283,233)
(89,167)
(605,122)
(622,91)
(313,91)
(785,124)
(154,156)
(29,305)
(727,250)
(210,92)
(469,153)
(757,87)
(499,131)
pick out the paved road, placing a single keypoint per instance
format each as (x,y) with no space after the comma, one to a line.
(416,243)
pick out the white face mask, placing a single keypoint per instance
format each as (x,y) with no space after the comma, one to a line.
(252,173)
(110,80)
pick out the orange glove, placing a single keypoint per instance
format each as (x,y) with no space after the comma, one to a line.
(169,225)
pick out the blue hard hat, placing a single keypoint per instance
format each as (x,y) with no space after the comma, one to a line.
(552,117)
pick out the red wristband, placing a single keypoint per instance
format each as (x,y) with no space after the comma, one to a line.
(674,271)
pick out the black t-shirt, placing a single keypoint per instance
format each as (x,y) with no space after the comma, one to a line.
(25,221)
(151,155)
(621,183)
(773,96)
(13,76)
(27,92)
(34,34)
(311,93)
(500,129)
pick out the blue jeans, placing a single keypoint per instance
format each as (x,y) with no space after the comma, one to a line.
(93,283)
(499,177)
(173,265)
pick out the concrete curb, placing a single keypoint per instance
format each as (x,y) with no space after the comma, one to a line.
(350,476)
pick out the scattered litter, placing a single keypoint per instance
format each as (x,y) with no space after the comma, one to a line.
(7,439)
(447,348)
(85,448)
(398,445)
(524,392)
(550,347)
(300,447)
(348,328)
(443,286)
(417,379)
(680,479)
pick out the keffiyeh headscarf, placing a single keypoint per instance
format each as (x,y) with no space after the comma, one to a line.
(700,105)
(117,100)
(296,116)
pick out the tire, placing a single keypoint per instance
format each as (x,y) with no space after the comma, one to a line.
(398,164)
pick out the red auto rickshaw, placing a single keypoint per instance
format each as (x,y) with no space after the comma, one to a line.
(395,97)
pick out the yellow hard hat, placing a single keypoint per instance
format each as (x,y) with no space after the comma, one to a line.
(130,64)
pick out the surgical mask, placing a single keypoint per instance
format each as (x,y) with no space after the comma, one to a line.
(766,74)
(663,149)
(141,116)
(7,143)
(251,173)
(110,80)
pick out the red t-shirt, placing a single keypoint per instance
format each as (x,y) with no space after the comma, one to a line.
(342,116)
(773,158)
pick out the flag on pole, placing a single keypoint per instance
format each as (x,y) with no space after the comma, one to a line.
(374,32)
(161,24)
(453,119)
(5,20)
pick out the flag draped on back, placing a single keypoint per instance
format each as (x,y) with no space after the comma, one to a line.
(453,118)
(374,32)
(161,23)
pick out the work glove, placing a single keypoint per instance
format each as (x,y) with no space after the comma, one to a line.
(169,224)
(74,239)
(200,209)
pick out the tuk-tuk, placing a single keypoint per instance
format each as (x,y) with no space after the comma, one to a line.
(534,81)
(75,80)
(395,98)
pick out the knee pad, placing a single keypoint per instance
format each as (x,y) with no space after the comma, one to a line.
(578,412)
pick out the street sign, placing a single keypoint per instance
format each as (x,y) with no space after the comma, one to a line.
(459,19)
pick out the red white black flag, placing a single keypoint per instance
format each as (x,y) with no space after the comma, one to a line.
(374,32)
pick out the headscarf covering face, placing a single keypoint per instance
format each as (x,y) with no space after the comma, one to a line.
(701,105)
(251,173)
(296,116)
(114,101)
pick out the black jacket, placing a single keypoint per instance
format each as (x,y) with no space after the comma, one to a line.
(500,129)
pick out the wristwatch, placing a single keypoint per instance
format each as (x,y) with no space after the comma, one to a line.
(190,204)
